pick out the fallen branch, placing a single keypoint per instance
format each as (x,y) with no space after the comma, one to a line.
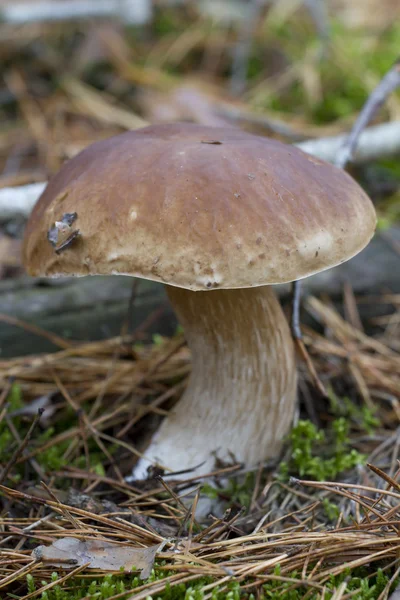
(21,447)
(386,86)
(136,12)
(375,142)
(19,201)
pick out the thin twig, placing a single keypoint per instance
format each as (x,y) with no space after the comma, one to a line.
(378,96)
(298,339)
(67,515)
(4,394)
(26,455)
(51,337)
(296,303)
(319,12)
(243,47)
(175,497)
(20,449)
(387,85)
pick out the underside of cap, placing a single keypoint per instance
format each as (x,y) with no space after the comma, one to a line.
(199,208)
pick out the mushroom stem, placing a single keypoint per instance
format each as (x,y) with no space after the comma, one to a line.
(241,395)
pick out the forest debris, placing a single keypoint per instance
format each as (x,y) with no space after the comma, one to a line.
(89,101)
(128,382)
(20,448)
(70,552)
(61,234)
(366,542)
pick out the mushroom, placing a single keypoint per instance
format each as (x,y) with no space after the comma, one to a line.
(219,216)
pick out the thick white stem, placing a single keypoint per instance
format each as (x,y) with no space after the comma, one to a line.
(241,396)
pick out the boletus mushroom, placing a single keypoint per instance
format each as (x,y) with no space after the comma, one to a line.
(219,216)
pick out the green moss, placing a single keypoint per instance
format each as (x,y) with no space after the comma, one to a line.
(110,585)
(14,399)
(238,491)
(358,582)
(332,511)
(389,212)
(361,417)
(50,459)
(342,90)
(364,588)
(14,402)
(320,455)
(158,340)
(168,21)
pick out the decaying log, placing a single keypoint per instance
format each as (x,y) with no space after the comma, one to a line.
(95,307)
(90,308)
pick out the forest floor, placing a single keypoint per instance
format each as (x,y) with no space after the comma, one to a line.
(322,522)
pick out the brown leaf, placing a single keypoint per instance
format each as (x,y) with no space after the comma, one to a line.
(71,552)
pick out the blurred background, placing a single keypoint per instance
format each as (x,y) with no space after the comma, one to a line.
(76,71)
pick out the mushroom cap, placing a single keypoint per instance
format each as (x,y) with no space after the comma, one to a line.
(199,208)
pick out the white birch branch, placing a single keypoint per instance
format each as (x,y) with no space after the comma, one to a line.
(375,142)
(378,96)
(138,12)
(19,201)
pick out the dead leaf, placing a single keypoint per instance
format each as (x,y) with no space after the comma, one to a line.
(71,552)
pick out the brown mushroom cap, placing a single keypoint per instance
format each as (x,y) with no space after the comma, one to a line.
(199,208)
